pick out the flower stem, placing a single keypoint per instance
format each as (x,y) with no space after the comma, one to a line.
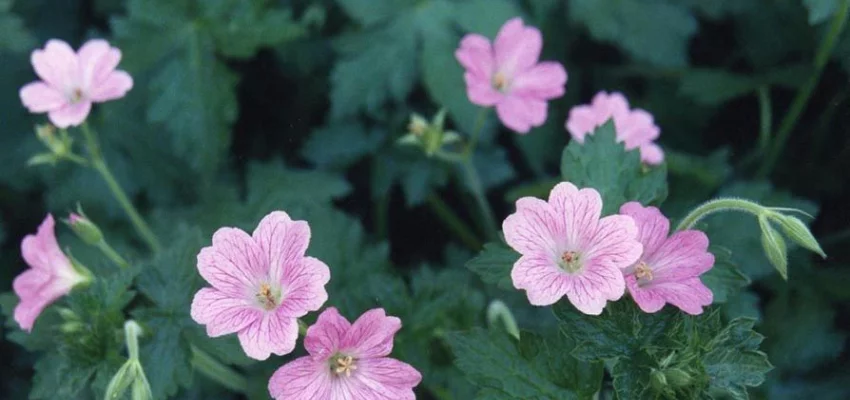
(215,370)
(802,98)
(99,164)
(717,205)
(111,254)
(453,222)
(765,117)
(473,181)
(302,327)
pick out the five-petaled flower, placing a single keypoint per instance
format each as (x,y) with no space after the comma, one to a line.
(51,274)
(567,250)
(635,128)
(347,362)
(261,284)
(507,75)
(669,269)
(71,82)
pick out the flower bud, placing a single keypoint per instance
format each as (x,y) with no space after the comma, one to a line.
(430,136)
(86,230)
(67,314)
(417,125)
(71,327)
(497,312)
(677,377)
(47,134)
(121,381)
(774,246)
(797,231)
(657,380)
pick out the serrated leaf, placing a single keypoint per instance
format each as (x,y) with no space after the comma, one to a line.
(633,26)
(549,353)
(240,28)
(734,361)
(724,279)
(618,175)
(494,264)
(494,363)
(341,144)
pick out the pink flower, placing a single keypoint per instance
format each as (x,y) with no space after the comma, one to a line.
(508,76)
(669,269)
(71,82)
(50,276)
(261,284)
(635,128)
(347,362)
(568,250)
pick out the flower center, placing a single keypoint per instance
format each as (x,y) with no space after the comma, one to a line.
(76,95)
(500,83)
(266,297)
(570,262)
(643,272)
(341,364)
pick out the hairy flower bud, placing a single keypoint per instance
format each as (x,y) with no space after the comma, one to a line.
(498,312)
(677,377)
(797,231)
(774,246)
(86,230)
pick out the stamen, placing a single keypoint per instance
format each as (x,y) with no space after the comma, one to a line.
(500,83)
(266,297)
(570,261)
(643,272)
(76,95)
(343,365)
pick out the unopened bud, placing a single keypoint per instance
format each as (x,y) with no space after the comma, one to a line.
(498,312)
(657,380)
(417,125)
(141,386)
(84,228)
(71,327)
(121,381)
(797,231)
(774,246)
(677,377)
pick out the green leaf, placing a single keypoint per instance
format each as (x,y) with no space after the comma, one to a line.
(13,34)
(550,354)
(724,279)
(272,186)
(240,28)
(734,362)
(376,66)
(633,26)
(418,176)
(494,363)
(485,17)
(341,144)
(603,164)
(714,86)
(368,12)
(821,10)
(494,264)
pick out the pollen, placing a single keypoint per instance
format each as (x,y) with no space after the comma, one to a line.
(343,365)
(643,272)
(266,297)
(500,83)
(76,95)
(570,261)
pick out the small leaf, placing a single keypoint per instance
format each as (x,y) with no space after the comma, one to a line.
(724,279)
(494,264)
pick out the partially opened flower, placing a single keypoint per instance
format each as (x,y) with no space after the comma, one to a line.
(51,274)
(635,128)
(669,268)
(347,362)
(261,284)
(568,250)
(507,75)
(71,82)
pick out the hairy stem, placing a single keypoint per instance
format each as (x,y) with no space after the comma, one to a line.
(453,222)
(717,205)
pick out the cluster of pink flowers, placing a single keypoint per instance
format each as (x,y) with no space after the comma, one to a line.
(569,250)
(262,283)
(506,74)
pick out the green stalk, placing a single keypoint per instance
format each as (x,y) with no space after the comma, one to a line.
(113,255)
(765,117)
(453,222)
(799,104)
(99,164)
(474,181)
(215,370)
(717,205)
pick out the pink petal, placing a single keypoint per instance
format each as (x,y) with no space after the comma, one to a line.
(234,263)
(649,301)
(324,337)
(282,240)
(304,284)
(591,289)
(579,210)
(517,47)
(97,61)
(26,312)
(38,97)
(301,378)
(270,334)
(371,335)
(690,295)
(581,122)
(610,105)
(480,91)
(533,228)
(652,226)
(544,282)
(683,255)
(543,81)
(521,113)
(114,86)
(614,244)
(651,154)
(383,379)
(636,128)
(56,64)
(221,313)
(70,114)
(41,251)
(33,287)
(476,56)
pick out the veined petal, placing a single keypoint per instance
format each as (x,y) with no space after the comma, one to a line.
(652,226)
(282,240)
(383,379)
(222,314)
(234,263)
(304,283)
(541,278)
(579,210)
(41,251)
(614,243)
(683,255)
(517,47)
(690,295)
(301,378)
(324,337)
(270,334)
(591,289)
(533,228)
(544,81)
(371,335)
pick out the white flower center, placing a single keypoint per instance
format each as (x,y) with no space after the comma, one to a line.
(500,82)
(342,364)
(268,298)
(643,273)
(570,262)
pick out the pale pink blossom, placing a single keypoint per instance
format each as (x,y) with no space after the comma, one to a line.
(347,362)
(635,128)
(51,274)
(71,82)
(506,74)
(568,250)
(261,284)
(668,270)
